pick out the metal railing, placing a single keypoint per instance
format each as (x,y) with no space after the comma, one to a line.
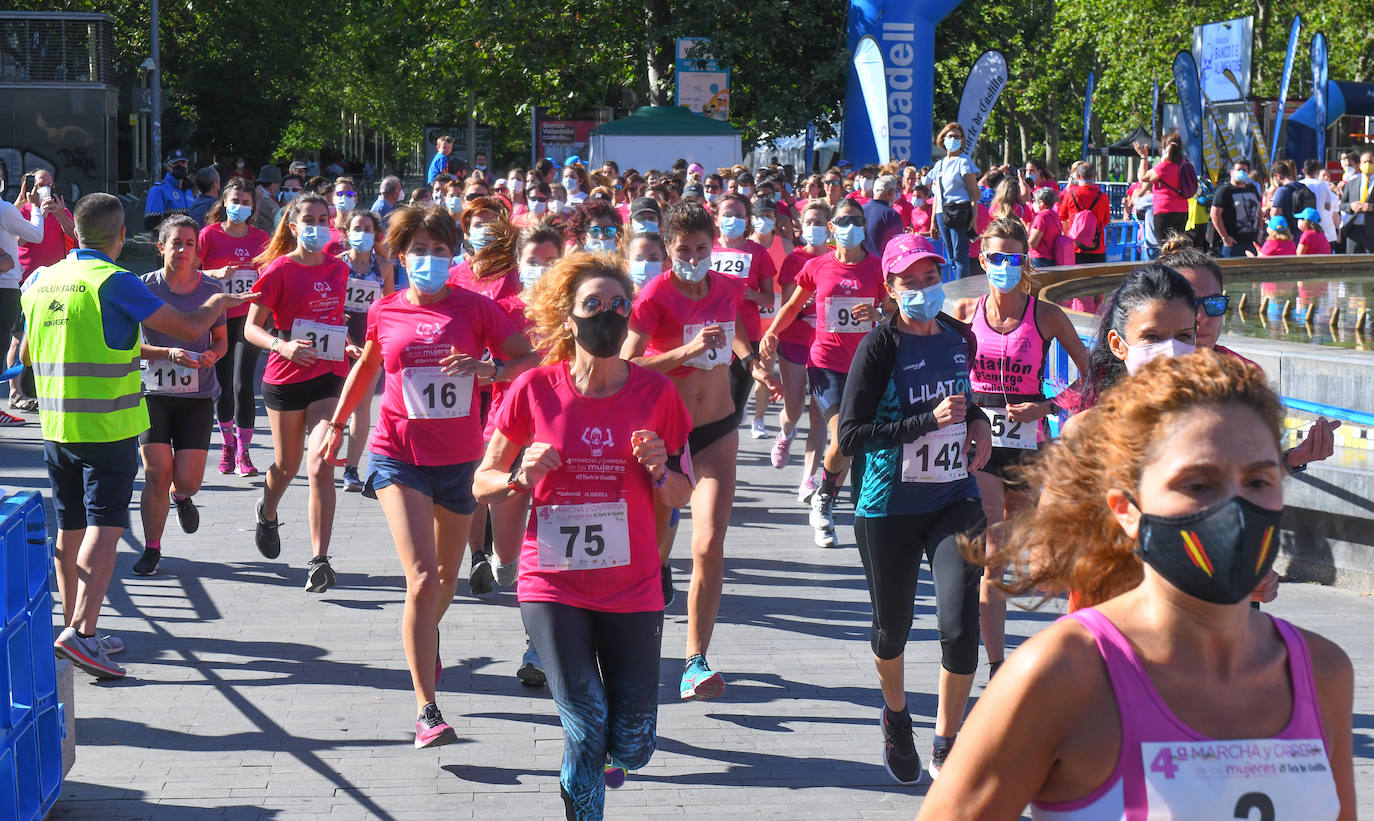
(56,47)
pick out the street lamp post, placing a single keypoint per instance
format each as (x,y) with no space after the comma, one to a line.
(157,159)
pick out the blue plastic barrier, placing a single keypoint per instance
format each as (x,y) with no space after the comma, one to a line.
(32,723)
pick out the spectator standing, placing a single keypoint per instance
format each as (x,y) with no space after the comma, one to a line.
(206,182)
(388,197)
(1083,195)
(882,220)
(1358,227)
(1235,212)
(1328,204)
(173,195)
(956,192)
(14,227)
(439,165)
(269,188)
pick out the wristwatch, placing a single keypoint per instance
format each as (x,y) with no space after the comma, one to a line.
(499,367)
(513,483)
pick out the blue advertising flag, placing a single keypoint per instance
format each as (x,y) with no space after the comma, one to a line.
(1319,71)
(1087,116)
(1283,84)
(1190,100)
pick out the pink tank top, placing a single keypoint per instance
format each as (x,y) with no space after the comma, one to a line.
(1166,770)
(1012,363)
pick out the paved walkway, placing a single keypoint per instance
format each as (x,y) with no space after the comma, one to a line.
(250,699)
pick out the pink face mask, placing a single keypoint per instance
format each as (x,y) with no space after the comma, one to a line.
(1138,355)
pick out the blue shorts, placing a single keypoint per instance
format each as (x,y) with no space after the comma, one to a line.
(450,486)
(827,387)
(92,482)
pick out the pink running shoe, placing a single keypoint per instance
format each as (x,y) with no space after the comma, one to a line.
(431,730)
(226,458)
(782,448)
(245,465)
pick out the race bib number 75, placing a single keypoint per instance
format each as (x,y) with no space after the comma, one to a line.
(583,537)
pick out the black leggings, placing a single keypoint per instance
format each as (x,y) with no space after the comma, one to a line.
(891,548)
(741,384)
(237,371)
(602,669)
(1170,221)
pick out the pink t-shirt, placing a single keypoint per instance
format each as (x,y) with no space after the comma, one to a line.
(1166,199)
(53,247)
(903,208)
(418,336)
(338,242)
(1314,242)
(592,436)
(920,219)
(983,217)
(294,291)
(662,312)
(1049,225)
(803,328)
(831,281)
(218,249)
(497,288)
(760,269)
(1278,248)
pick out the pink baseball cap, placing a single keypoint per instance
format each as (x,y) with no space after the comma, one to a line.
(696,166)
(905,249)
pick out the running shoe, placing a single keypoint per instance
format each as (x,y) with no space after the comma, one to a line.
(321,576)
(806,490)
(266,536)
(530,673)
(245,465)
(481,579)
(937,760)
(227,452)
(187,515)
(759,429)
(615,776)
(507,574)
(431,730)
(782,449)
(666,578)
(351,482)
(112,644)
(147,563)
(822,519)
(11,421)
(900,758)
(87,653)
(700,682)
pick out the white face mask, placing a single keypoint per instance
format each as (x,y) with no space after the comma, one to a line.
(1138,355)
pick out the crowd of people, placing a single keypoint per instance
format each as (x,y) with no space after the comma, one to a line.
(567,357)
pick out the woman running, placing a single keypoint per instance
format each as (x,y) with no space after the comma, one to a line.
(738,256)
(847,286)
(686,323)
(179,381)
(1168,697)
(1014,332)
(429,340)
(229,246)
(301,291)
(370,277)
(794,346)
(908,414)
(603,442)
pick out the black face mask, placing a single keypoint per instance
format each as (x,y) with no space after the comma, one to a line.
(601,334)
(1218,554)
(178,173)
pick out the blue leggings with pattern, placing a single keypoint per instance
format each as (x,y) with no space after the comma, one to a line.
(602,669)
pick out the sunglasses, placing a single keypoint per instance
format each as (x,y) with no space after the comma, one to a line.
(600,232)
(595,305)
(471,197)
(1215,305)
(832,182)
(998,258)
(849,220)
(345,193)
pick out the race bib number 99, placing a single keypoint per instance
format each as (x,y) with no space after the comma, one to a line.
(711,357)
(169,377)
(429,393)
(360,294)
(327,340)
(583,537)
(936,457)
(734,263)
(1009,434)
(1264,779)
(839,315)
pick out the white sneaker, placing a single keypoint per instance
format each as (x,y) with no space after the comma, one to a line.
(821,516)
(759,429)
(825,537)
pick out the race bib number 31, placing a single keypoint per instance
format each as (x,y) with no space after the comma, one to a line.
(936,457)
(328,340)
(429,393)
(583,537)
(361,293)
(711,357)
(169,377)
(1264,779)
(839,315)
(734,263)
(1009,434)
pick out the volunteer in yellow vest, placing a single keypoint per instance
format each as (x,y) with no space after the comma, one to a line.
(83,316)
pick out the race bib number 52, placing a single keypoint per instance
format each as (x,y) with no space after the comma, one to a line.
(583,537)
(1009,434)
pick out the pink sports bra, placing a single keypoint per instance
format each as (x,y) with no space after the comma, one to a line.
(1167,770)
(1011,363)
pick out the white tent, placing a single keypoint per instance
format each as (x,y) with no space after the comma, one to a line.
(655,136)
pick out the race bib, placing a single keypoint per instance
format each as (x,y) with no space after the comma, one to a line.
(767,312)
(711,357)
(328,340)
(169,377)
(937,457)
(734,263)
(360,294)
(1280,778)
(240,281)
(1009,434)
(429,393)
(839,315)
(583,537)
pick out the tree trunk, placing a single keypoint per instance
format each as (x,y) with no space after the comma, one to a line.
(1022,126)
(1049,123)
(658,53)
